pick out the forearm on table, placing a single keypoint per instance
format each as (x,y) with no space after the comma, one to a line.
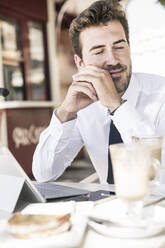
(55,151)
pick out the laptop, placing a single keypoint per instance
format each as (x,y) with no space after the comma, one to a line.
(32,191)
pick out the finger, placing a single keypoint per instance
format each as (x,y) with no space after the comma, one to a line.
(88,71)
(86,84)
(96,78)
(85,90)
(86,77)
(92,68)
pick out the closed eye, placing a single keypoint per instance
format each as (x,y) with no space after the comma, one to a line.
(98,52)
(118,47)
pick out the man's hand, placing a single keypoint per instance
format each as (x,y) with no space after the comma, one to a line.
(80,94)
(102,83)
(90,84)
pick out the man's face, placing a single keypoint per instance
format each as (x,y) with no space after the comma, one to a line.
(106,47)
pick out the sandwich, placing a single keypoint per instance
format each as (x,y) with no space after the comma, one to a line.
(25,226)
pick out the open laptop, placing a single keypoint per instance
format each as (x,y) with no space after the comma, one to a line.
(33,192)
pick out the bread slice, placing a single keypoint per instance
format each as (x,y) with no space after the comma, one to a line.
(26,226)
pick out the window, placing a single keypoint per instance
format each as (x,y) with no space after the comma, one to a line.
(23,56)
(37,76)
(12,58)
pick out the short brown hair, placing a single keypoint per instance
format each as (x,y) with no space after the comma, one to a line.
(100,12)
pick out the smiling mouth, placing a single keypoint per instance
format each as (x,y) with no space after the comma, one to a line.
(116,73)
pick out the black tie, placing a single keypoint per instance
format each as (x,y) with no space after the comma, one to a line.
(114,138)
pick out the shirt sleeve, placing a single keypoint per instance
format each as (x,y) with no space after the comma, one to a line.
(58,145)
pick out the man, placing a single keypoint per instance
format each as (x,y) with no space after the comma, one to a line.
(104,89)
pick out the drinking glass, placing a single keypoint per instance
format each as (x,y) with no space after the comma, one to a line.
(154,144)
(131,168)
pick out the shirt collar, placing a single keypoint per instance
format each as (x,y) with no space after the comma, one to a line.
(132,91)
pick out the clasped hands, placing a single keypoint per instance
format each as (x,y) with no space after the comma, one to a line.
(89,85)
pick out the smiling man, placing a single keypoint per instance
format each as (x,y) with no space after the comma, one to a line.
(106,103)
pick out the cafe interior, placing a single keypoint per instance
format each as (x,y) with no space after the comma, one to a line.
(36,68)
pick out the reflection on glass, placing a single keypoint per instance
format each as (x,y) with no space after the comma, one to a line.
(12,58)
(37,74)
(10,40)
(13,79)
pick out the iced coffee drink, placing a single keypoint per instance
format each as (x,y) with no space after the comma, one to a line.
(154,144)
(131,171)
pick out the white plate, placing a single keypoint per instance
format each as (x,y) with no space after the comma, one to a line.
(114,212)
(117,224)
(124,232)
(68,239)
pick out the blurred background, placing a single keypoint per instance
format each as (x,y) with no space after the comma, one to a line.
(36,66)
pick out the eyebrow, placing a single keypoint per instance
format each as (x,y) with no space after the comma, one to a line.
(119,41)
(100,46)
(95,47)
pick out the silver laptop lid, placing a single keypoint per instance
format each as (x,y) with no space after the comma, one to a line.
(10,166)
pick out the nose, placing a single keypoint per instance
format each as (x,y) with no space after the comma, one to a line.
(111,58)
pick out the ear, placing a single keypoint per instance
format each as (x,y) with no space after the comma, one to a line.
(78,61)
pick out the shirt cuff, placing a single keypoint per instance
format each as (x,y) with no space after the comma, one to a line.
(64,129)
(122,112)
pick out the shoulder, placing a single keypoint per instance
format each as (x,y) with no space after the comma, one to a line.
(147,76)
(150,82)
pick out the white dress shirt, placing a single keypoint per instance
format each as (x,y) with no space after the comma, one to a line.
(143,114)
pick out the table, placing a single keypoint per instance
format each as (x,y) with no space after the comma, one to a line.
(93,240)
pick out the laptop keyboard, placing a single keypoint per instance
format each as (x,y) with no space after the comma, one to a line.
(52,190)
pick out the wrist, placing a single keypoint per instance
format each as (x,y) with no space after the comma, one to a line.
(64,115)
(121,103)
